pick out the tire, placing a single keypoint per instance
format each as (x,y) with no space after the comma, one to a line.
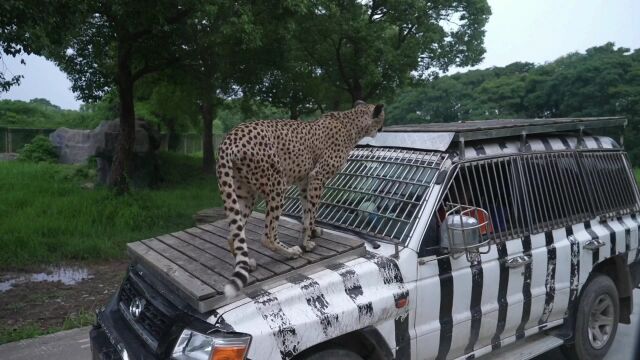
(331,354)
(599,297)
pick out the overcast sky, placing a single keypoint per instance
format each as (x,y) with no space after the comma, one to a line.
(518,30)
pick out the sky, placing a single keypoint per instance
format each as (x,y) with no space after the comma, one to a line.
(537,31)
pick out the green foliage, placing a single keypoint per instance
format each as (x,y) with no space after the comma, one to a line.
(603,81)
(38,150)
(53,218)
(41,114)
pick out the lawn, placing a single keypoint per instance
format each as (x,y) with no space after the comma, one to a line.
(47,216)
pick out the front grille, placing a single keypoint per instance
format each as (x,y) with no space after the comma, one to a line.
(152,320)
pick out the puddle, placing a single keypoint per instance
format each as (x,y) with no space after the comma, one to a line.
(63,274)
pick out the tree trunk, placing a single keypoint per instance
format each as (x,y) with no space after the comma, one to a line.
(208,160)
(172,136)
(294,113)
(122,167)
(357,93)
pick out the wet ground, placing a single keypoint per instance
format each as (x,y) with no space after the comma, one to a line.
(46,297)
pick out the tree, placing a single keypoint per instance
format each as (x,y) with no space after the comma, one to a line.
(368,49)
(27,26)
(114,45)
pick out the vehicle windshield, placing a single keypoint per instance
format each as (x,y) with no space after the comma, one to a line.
(378,192)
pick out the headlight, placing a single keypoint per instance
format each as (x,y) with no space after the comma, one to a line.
(219,346)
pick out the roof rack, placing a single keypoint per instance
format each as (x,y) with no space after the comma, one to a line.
(487,129)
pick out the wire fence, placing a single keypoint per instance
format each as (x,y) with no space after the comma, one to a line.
(14,139)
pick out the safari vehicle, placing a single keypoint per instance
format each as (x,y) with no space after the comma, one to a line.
(439,241)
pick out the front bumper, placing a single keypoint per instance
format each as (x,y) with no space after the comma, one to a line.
(101,346)
(113,338)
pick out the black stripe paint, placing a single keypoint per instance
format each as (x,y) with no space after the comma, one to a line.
(613,238)
(503,286)
(353,289)
(565,142)
(574,280)
(269,307)
(446,307)
(316,301)
(595,253)
(479,149)
(502,145)
(550,280)
(388,268)
(526,289)
(598,142)
(402,336)
(546,144)
(627,234)
(476,302)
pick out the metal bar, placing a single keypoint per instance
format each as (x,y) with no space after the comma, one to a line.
(563,200)
(503,179)
(548,205)
(570,190)
(501,199)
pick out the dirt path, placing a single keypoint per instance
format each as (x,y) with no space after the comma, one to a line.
(41,307)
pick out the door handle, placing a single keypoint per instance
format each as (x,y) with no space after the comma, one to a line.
(518,261)
(594,244)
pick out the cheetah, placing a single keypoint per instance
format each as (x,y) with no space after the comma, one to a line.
(266,157)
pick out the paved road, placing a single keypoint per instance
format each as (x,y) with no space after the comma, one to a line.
(74,344)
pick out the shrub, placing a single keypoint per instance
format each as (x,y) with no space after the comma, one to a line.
(39,149)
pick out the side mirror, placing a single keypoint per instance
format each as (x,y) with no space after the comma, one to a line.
(462,230)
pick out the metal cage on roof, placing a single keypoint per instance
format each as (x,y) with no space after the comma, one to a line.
(378,192)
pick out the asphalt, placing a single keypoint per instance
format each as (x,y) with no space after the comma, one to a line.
(74,344)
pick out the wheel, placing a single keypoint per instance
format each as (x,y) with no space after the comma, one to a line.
(331,354)
(596,320)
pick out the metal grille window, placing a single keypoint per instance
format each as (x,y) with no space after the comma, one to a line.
(378,192)
(555,190)
(612,186)
(491,185)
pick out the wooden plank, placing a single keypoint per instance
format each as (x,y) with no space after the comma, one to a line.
(350,241)
(220,229)
(207,260)
(214,280)
(293,241)
(182,280)
(256,236)
(218,257)
(209,242)
(331,245)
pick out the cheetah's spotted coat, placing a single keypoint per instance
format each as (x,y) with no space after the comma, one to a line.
(266,157)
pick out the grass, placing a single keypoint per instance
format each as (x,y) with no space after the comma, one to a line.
(48,217)
(30,330)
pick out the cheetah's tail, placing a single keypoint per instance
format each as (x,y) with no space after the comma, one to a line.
(243,264)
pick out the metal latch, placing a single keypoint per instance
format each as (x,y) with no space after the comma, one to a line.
(518,261)
(594,244)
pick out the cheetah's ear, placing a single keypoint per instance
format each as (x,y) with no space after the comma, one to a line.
(358,103)
(377,110)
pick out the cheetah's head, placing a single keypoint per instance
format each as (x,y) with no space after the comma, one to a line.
(374,117)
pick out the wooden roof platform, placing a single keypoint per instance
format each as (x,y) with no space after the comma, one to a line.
(196,262)
(485,129)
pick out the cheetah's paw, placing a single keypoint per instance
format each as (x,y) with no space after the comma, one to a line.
(309,245)
(252,265)
(294,252)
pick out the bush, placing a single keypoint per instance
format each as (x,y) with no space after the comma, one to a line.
(39,149)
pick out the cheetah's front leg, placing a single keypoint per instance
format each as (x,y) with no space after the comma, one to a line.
(314,191)
(272,216)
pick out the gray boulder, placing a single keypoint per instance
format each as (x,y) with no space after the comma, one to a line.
(73,146)
(77,146)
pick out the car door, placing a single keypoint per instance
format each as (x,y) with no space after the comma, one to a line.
(470,303)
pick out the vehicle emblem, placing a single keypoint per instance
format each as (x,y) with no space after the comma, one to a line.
(136,306)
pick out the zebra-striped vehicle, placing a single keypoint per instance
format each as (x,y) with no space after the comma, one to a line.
(503,238)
